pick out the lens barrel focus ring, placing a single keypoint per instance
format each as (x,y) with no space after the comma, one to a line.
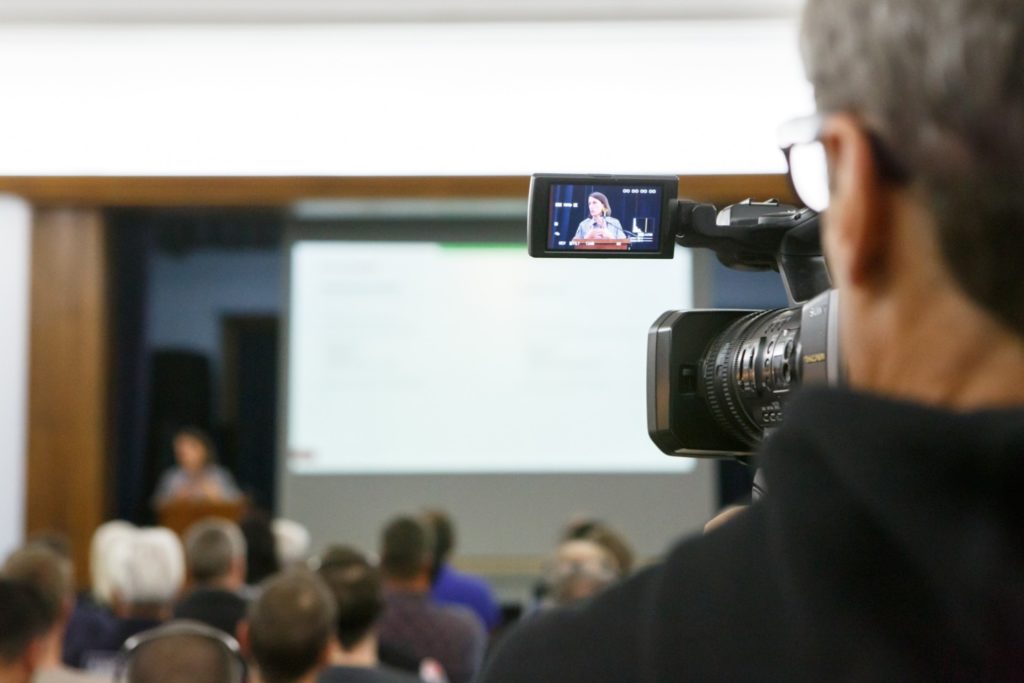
(719,374)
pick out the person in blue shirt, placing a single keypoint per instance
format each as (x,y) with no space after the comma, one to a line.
(452,586)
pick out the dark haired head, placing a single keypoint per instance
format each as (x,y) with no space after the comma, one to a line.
(261,547)
(290,624)
(357,596)
(599,532)
(22,619)
(49,573)
(341,556)
(56,541)
(406,548)
(600,196)
(444,538)
(202,438)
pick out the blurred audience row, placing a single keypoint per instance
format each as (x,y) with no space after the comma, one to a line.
(237,602)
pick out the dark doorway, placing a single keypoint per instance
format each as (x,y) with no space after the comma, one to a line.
(249,409)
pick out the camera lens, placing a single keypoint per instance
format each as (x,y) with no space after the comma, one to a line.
(747,370)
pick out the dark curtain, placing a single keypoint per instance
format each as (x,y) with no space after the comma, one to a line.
(131,245)
(255,428)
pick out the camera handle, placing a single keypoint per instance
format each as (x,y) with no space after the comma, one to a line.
(765,235)
(802,263)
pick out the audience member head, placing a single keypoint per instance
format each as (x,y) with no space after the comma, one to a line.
(356,588)
(56,541)
(581,568)
(340,555)
(443,530)
(23,627)
(193,449)
(106,536)
(182,651)
(604,535)
(292,542)
(261,547)
(289,627)
(215,552)
(406,552)
(147,572)
(52,576)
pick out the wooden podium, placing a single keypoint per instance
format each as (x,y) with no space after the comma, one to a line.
(602,244)
(179,515)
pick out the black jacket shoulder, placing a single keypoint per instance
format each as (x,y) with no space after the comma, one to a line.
(671,622)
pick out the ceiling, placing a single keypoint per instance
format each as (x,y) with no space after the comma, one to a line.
(303,11)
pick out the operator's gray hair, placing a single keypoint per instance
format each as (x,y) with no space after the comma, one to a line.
(941,83)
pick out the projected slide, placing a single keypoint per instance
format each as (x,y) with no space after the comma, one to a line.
(414,357)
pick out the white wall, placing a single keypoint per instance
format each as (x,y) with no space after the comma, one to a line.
(15,233)
(399,99)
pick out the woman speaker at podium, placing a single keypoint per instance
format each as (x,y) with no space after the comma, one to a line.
(196,477)
(600,224)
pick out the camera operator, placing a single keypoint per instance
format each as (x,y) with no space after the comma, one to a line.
(889,544)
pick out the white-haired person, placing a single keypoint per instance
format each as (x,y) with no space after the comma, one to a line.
(93,615)
(146,569)
(292,542)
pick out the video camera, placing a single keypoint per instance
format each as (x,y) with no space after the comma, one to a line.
(717,380)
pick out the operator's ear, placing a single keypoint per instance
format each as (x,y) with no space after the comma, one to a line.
(33,656)
(857,234)
(324,659)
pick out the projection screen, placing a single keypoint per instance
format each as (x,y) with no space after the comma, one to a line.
(431,362)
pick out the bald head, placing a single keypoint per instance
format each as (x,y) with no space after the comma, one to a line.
(177,655)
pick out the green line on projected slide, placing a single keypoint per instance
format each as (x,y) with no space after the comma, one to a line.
(483,245)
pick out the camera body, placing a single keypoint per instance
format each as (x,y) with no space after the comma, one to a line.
(717,380)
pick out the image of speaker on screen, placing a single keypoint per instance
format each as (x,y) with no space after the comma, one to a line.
(600,224)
